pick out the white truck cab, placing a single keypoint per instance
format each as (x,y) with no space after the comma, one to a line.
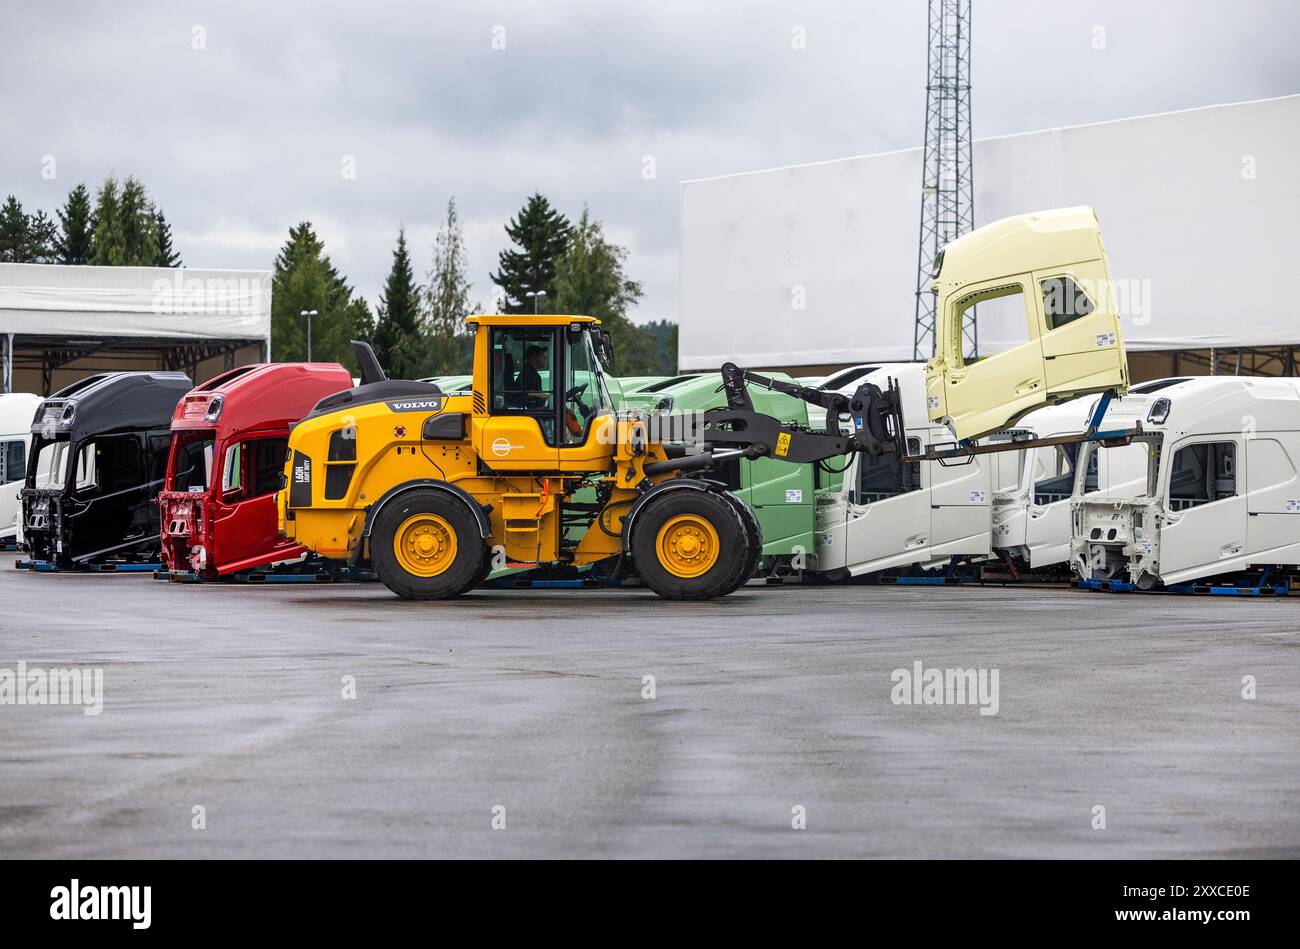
(17,409)
(1031,518)
(886,513)
(1220,495)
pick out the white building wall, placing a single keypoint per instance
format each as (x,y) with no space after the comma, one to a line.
(816,264)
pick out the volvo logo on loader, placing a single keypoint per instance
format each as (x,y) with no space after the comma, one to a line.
(416,405)
(501,447)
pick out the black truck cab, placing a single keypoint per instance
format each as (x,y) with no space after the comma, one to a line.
(98,457)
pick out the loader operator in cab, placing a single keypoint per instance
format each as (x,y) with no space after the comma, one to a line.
(530,378)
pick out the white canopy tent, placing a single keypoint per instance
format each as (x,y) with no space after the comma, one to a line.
(815,265)
(55,317)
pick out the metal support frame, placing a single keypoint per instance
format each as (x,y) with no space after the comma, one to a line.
(947,172)
(7,363)
(968,450)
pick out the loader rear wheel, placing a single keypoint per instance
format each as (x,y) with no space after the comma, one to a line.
(691,545)
(425,545)
(755,532)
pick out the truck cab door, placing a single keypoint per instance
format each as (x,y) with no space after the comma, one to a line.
(1273,498)
(888,513)
(979,396)
(245,524)
(1205,510)
(961,507)
(1082,347)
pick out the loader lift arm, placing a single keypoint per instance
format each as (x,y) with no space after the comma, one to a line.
(878,428)
(738,430)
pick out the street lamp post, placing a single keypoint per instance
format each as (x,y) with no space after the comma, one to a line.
(536,297)
(309,314)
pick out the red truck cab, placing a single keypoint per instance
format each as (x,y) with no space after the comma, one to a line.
(229,438)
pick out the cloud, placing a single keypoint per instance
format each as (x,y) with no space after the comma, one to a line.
(243,138)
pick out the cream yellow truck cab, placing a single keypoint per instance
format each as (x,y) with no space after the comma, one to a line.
(1049,266)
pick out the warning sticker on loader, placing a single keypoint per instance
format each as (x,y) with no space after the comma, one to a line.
(979,497)
(783,444)
(794,495)
(1105,339)
(932,401)
(1293,505)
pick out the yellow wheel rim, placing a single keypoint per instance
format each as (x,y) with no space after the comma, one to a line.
(425,545)
(688,546)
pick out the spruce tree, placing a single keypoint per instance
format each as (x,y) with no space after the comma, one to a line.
(42,238)
(13,231)
(107,247)
(398,314)
(166,256)
(139,236)
(542,234)
(72,246)
(304,279)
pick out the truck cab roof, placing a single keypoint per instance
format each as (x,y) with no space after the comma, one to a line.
(16,411)
(111,402)
(261,395)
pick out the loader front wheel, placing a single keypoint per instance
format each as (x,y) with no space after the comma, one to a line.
(690,545)
(425,545)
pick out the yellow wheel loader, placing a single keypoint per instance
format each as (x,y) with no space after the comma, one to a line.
(434,490)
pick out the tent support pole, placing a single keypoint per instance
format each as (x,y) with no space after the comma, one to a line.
(7,380)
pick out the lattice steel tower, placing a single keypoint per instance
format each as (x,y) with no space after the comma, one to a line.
(947,181)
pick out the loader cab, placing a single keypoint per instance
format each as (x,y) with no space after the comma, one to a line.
(98,457)
(548,401)
(1039,287)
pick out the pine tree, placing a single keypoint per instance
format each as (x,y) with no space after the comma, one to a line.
(108,246)
(166,257)
(589,281)
(72,245)
(305,279)
(398,314)
(447,350)
(542,234)
(13,231)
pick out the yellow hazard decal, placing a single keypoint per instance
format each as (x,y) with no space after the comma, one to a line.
(783,444)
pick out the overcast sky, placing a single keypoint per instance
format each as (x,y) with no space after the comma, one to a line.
(248,135)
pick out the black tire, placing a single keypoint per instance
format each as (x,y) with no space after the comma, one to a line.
(467,563)
(755,531)
(484,571)
(728,569)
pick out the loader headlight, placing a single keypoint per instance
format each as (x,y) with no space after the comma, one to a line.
(214,408)
(665,404)
(1159,411)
